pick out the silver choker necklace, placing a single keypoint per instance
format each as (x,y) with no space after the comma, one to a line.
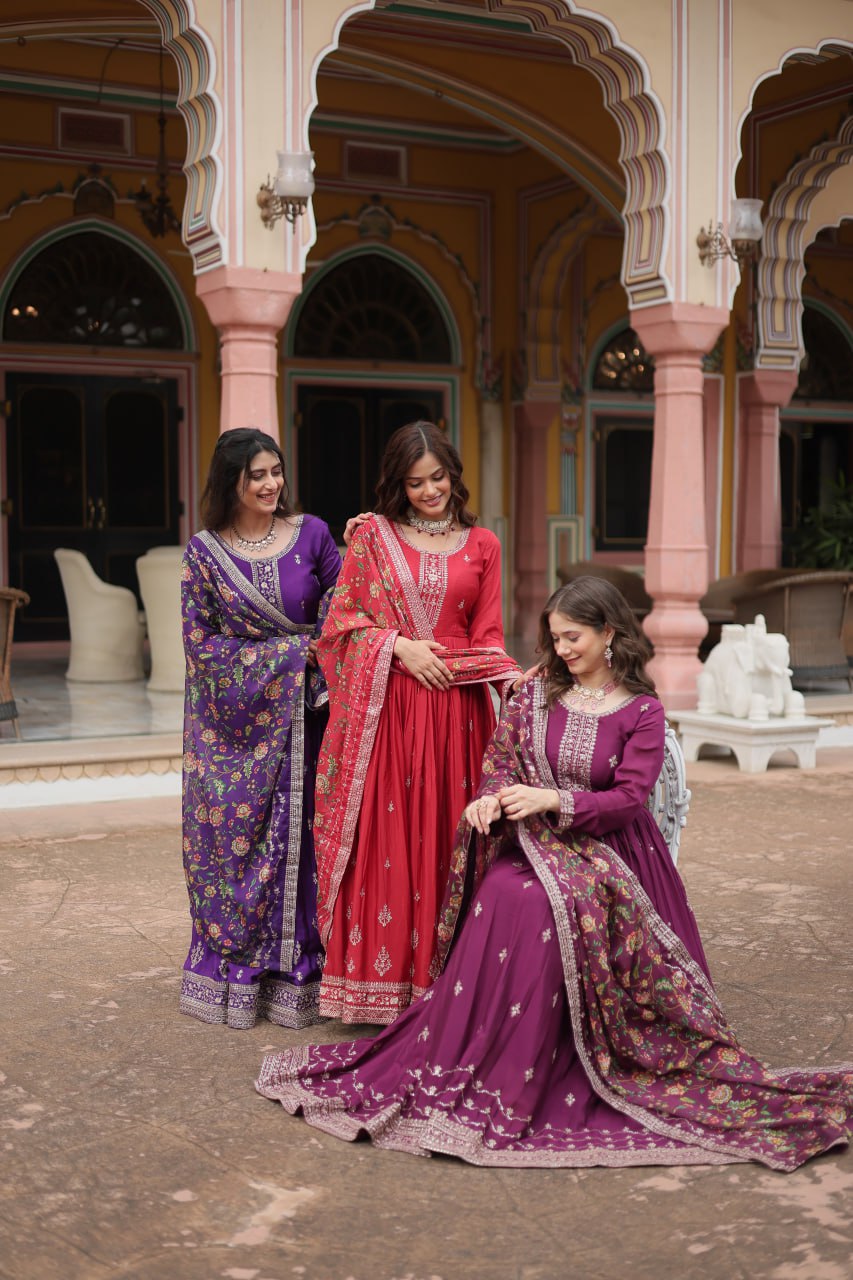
(255,544)
(432,527)
(580,693)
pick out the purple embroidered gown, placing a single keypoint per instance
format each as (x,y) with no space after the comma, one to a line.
(573,1023)
(253,725)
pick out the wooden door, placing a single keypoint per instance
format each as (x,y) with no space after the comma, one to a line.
(92,465)
(341,436)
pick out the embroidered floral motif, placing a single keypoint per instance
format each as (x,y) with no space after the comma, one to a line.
(478,910)
(546,935)
(529,1074)
(355,935)
(515,1010)
(385,916)
(457,990)
(613,761)
(382,963)
(502,955)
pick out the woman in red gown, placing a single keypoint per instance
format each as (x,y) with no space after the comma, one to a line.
(413,637)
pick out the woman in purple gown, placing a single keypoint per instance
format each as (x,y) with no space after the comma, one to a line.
(256,583)
(574,1022)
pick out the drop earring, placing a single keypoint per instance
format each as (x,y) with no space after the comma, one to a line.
(608,656)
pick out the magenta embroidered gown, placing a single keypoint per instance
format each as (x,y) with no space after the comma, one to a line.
(573,1023)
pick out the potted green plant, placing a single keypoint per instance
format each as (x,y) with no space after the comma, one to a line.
(825,537)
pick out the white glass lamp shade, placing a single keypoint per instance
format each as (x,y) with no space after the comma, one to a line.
(746,220)
(294,178)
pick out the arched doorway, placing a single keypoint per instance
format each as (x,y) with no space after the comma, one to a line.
(92,459)
(369,307)
(622,432)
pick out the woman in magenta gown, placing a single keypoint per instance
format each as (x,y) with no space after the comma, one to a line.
(574,1022)
(414,634)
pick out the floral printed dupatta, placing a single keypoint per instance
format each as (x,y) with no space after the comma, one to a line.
(648,1029)
(243,748)
(376,600)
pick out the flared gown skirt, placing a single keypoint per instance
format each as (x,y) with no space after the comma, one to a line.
(424,769)
(483,1066)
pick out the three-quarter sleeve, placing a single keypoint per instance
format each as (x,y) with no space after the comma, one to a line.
(597,812)
(486,628)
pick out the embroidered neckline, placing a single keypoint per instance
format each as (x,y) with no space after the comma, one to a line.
(597,715)
(431,551)
(276,555)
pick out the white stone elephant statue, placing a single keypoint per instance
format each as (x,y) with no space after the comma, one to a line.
(747,675)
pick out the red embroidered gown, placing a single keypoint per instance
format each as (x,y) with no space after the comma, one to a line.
(424,768)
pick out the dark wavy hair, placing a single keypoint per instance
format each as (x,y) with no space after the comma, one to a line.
(596,603)
(234,451)
(407,445)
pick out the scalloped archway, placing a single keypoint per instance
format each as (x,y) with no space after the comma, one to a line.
(639,115)
(198,103)
(817,192)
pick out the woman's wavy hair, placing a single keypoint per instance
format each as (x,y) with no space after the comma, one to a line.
(407,445)
(596,603)
(229,465)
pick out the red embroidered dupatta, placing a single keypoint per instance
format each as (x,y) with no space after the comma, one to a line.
(376,599)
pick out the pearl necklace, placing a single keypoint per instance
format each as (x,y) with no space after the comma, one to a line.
(255,544)
(580,693)
(432,527)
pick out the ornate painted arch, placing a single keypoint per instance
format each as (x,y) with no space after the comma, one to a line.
(628,96)
(817,192)
(414,268)
(198,103)
(138,245)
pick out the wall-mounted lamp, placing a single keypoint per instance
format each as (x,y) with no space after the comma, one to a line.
(288,196)
(744,234)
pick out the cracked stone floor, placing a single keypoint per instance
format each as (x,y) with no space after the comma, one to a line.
(134,1146)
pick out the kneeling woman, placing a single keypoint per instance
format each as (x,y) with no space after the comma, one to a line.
(574,1022)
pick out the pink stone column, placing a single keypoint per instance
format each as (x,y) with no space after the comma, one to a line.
(763,394)
(249,307)
(677,335)
(533,419)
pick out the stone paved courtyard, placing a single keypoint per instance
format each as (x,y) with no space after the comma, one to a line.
(134,1146)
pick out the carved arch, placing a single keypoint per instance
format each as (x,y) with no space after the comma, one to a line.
(639,115)
(817,192)
(198,103)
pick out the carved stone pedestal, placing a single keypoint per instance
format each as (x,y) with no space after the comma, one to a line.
(753,742)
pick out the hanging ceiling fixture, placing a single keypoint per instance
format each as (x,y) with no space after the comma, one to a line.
(156,211)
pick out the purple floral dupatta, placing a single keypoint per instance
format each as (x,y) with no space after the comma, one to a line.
(243,748)
(648,1029)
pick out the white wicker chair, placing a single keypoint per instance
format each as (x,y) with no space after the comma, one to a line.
(670,797)
(106,630)
(159,573)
